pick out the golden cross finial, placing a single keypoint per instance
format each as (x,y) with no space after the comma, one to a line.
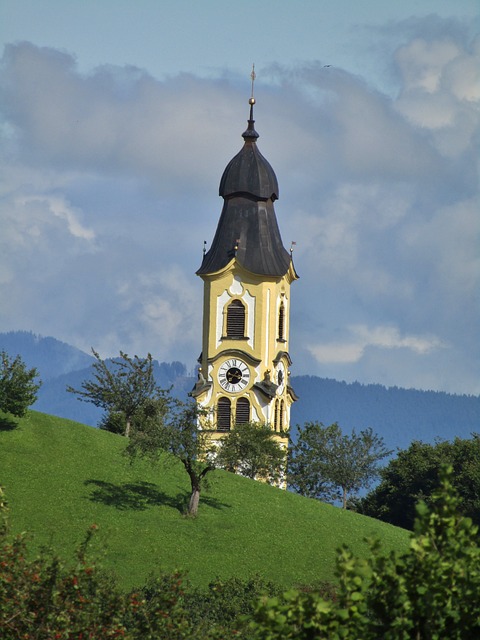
(253,75)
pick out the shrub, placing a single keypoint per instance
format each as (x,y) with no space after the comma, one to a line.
(43,599)
(432,592)
(226,603)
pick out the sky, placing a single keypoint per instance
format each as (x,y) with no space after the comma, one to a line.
(117,119)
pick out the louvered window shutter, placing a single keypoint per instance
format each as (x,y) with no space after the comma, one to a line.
(236,320)
(223,414)
(242,413)
(281,322)
(281,416)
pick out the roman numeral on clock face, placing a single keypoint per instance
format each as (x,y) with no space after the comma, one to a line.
(233,375)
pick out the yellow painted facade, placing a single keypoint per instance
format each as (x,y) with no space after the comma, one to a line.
(263,347)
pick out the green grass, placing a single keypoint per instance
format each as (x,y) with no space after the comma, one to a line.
(60,477)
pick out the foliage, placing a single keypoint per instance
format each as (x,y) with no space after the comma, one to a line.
(114,422)
(120,387)
(42,599)
(324,463)
(18,387)
(179,432)
(226,600)
(252,450)
(413,475)
(218,610)
(430,593)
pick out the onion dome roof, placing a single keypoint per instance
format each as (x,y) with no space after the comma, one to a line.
(248,229)
(249,172)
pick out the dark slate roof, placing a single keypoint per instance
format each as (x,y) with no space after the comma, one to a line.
(248,226)
(249,172)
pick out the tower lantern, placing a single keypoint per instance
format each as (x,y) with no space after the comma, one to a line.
(247,272)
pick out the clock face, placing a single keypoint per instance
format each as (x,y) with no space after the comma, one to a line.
(234,375)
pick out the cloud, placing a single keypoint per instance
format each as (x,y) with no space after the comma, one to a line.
(40,234)
(114,119)
(164,306)
(110,187)
(421,63)
(363,337)
(61,209)
(441,91)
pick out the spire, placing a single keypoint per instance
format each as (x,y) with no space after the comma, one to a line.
(249,172)
(250,133)
(248,229)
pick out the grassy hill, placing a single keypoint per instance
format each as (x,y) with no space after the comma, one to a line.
(60,477)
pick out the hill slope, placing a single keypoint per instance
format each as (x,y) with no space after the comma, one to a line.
(60,477)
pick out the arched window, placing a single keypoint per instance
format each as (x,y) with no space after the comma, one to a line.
(236,320)
(281,322)
(281,415)
(224,409)
(275,418)
(242,413)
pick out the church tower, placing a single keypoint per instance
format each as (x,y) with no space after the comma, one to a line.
(247,272)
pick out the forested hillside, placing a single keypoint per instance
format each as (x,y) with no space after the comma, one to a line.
(50,356)
(399,415)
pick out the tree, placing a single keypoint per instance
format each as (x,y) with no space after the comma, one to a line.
(120,387)
(430,592)
(413,475)
(326,464)
(177,430)
(307,461)
(251,450)
(18,387)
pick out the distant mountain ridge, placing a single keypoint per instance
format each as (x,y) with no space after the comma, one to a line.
(399,415)
(50,356)
(60,365)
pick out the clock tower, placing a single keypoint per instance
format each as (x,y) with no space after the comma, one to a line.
(247,272)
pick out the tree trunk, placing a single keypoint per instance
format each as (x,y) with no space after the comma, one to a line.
(196,485)
(193,504)
(344,497)
(127,429)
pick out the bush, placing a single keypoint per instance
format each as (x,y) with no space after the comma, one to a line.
(430,593)
(226,603)
(43,599)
